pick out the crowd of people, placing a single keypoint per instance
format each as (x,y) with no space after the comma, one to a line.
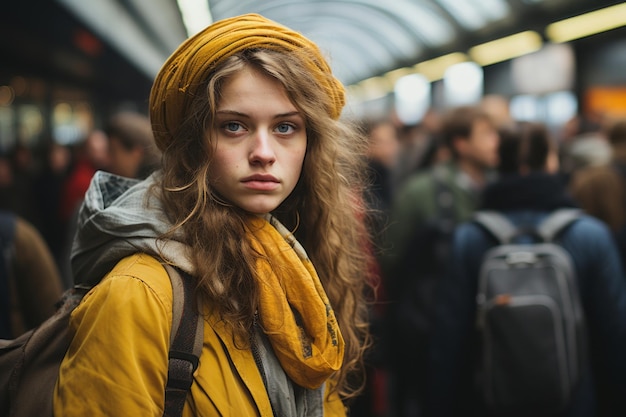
(317,244)
(45,186)
(430,250)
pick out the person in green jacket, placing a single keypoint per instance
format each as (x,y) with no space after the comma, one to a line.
(426,208)
(259,200)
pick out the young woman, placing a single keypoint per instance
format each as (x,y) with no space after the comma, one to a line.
(257,167)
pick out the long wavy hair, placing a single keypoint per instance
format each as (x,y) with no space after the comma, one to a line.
(325,211)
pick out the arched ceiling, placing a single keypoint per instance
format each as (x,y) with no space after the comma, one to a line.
(364,38)
(361,38)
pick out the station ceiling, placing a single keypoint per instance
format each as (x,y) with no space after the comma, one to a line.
(361,38)
(115,47)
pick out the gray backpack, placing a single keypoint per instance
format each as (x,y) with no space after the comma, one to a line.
(529,316)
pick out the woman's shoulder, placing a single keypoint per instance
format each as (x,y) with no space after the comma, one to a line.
(144,268)
(135,280)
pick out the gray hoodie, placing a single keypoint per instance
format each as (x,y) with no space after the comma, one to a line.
(119,217)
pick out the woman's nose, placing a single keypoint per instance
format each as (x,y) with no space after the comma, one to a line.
(262,150)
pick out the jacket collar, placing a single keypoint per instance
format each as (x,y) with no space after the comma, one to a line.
(535,191)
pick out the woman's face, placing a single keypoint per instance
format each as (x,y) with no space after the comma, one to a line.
(260,142)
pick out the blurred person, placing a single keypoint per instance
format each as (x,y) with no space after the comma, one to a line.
(258,171)
(497,107)
(22,200)
(132,152)
(587,150)
(30,284)
(600,185)
(616,135)
(579,125)
(600,191)
(423,215)
(528,189)
(6,183)
(583,143)
(419,147)
(381,155)
(90,156)
(48,185)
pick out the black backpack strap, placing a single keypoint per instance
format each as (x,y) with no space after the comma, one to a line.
(496,224)
(185,343)
(556,222)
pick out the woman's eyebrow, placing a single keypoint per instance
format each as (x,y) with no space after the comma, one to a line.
(234,112)
(238,113)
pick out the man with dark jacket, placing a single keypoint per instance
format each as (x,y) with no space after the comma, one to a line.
(425,210)
(527,191)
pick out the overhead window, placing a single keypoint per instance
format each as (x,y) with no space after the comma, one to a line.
(463,84)
(475,14)
(412,98)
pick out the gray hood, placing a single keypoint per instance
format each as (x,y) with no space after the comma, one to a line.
(118,218)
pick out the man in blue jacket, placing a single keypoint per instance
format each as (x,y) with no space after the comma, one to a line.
(527,191)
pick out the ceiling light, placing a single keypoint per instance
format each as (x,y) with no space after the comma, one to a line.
(587,24)
(506,48)
(375,87)
(475,14)
(394,75)
(434,69)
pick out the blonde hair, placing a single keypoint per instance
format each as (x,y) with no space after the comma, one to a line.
(324,211)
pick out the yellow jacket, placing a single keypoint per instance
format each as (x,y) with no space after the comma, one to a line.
(117,361)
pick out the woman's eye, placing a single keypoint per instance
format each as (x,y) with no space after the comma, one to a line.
(285,128)
(232,126)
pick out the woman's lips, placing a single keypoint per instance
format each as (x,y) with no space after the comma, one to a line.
(261,182)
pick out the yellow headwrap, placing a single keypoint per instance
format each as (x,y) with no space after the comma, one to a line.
(179,78)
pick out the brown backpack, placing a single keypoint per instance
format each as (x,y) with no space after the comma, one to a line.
(29,364)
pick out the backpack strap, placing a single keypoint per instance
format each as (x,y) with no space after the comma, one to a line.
(556,222)
(185,342)
(496,224)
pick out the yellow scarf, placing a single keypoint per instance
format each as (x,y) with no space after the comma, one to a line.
(294,310)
